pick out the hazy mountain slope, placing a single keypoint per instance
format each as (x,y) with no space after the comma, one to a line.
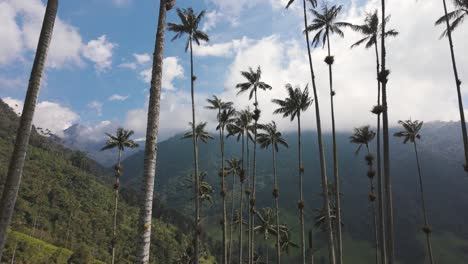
(445,183)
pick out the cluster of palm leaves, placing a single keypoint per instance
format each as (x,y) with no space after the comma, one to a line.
(245,126)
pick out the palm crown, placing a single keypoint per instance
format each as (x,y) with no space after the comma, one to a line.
(362,136)
(372,30)
(253,82)
(325,23)
(411,132)
(271,136)
(200,133)
(121,140)
(297,101)
(267,226)
(242,123)
(225,117)
(457,16)
(217,104)
(189,25)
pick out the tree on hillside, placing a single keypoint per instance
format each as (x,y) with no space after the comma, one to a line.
(411,134)
(15,168)
(190,21)
(253,84)
(272,137)
(152,131)
(120,140)
(372,31)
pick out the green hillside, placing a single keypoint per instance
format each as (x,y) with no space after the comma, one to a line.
(65,206)
(445,184)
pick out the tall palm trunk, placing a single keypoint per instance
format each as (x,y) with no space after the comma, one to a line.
(374,213)
(254,174)
(276,196)
(151,150)
(426,229)
(301,193)
(383,251)
(118,171)
(231,226)
(311,247)
(336,176)
(383,78)
(223,194)
(15,169)
(331,247)
(197,176)
(241,219)
(250,229)
(458,83)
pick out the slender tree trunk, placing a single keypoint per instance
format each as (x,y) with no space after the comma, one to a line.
(15,169)
(424,211)
(152,129)
(336,176)
(311,247)
(14,252)
(276,196)
(223,196)
(254,174)
(301,193)
(118,171)
(250,231)
(458,84)
(241,219)
(383,251)
(386,149)
(197,175)
(374,213)
(331,243)
(231,226)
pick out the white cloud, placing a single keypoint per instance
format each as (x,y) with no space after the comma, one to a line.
(139,60)
(96,106)
(50,115)
(227,49)
(171,70)
(211,20)
(99,51)
(21,22)
(118,97)
(421,83)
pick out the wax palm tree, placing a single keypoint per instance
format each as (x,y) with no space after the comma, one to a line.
(320,219)
(225,114)
(205,187)
(362,137)
(411,133)
(15,169)
(190,22)
(200,133)
(120,140)
(372,31)
(286,243)
(458,15)
(297,101)
(235,169)
(325,24)
(253,84)
(323,170)
(241,127)
(152,129)
(272,137)
(267,226)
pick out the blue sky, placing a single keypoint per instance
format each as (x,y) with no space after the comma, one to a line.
(102,48)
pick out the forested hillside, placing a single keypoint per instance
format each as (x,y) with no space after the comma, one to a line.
(64,208)
(445,183)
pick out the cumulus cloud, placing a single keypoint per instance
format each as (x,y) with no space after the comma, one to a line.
(226,49)
(421,82)
(139,60)
(118,97)
(96,106)
(21,22)
(99,51)
(171,70)
(50,115)
(211,20)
